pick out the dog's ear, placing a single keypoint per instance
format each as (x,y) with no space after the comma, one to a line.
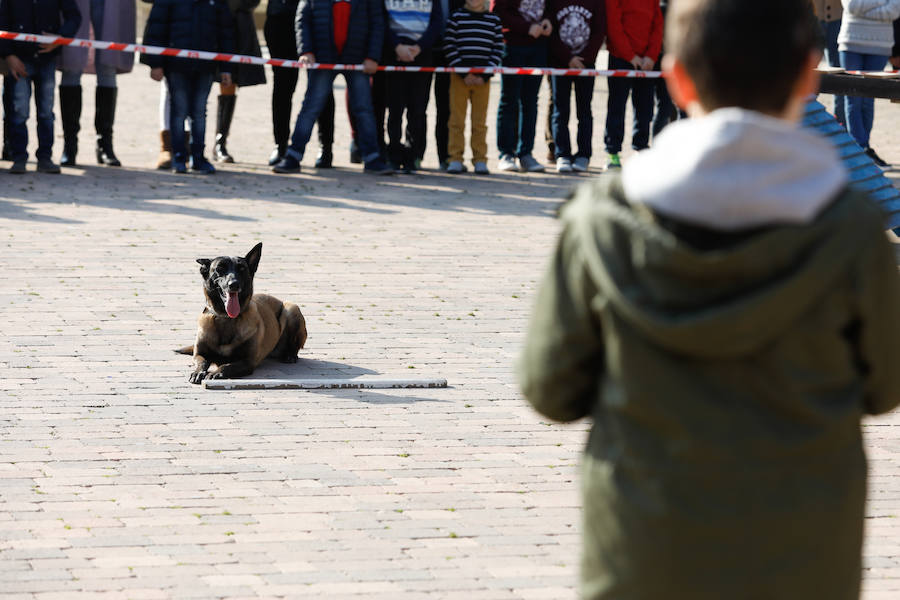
(204,266)
(253,257)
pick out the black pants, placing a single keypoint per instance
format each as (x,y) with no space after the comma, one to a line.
(282,42)
(442,108)
(405,94)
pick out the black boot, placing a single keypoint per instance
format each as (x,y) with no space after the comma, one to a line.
(70,109)
(223,123)
(105,103)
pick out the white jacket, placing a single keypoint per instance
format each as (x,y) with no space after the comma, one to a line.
(867,28)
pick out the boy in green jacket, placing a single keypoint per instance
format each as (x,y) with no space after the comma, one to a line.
(726,312)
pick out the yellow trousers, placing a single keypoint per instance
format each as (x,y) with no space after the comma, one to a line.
(460,96)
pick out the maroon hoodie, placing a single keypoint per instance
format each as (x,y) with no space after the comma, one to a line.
(517,16)
(579,29)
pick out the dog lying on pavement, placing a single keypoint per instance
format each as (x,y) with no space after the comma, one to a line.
(238,329)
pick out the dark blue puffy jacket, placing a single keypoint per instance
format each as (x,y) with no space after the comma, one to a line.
(365,32)
(61,17)
(192,25)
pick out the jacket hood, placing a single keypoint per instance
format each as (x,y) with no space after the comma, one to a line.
(735,169)
(746,291)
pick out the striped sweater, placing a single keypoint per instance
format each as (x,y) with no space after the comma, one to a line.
(473,39)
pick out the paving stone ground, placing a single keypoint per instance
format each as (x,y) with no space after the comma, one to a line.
(119,479)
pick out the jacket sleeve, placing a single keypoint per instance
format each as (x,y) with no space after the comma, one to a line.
(156,33)
(879,337)
(303,26)
(877,10)
(510,17)
(654,49)
(435,23)
(376,30)
(563,355)
(71,18)
(598,30)
(225,26)
(616,39)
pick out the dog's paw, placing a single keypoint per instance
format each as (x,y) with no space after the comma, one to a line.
(216,375)
(197,377)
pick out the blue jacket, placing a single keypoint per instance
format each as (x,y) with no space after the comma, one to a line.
(365,32)
(192,25)
(61,17)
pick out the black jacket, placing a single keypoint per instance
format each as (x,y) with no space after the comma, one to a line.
(282,8)
(61,17)
(365,32)
(192,25)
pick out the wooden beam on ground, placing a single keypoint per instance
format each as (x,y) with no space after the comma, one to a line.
(843,84)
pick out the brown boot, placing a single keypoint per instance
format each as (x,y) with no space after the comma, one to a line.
(165,153)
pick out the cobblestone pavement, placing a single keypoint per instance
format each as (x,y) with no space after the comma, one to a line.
(119,479)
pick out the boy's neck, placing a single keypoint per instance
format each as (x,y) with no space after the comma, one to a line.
(479,6)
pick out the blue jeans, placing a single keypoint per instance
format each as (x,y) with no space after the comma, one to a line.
(188,93)
(318,90)
(642,93)
(106,74)
(831,29)
(43,76)
(584,93)
(517,114)
(860,112)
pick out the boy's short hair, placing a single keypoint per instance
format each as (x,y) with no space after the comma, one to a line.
(742,53)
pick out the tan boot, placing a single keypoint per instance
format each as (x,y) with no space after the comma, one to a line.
(165,153)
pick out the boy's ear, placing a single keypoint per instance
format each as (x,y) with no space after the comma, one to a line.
(253,257)
(204,266)
(681,86)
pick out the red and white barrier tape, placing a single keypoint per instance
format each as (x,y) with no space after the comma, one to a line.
(293,64)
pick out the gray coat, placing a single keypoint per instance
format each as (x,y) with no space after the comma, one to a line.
(119,23)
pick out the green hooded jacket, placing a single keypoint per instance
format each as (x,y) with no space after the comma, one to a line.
(726,358)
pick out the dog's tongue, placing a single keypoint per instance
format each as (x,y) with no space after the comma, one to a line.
(233,306)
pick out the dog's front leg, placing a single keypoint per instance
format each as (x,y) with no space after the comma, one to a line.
(201,368)
(238,368)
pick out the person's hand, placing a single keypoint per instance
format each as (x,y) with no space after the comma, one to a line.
(308,59)
(370,67)
(156,74)
(16,67)
(636,62)
(576,63)
(403,52)
(44,48)
(225,80)
(536,30)
(895,61)
(546,27)
(473,79)
(647,63)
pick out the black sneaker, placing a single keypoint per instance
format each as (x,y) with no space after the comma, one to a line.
(378,167)
(45,165)
(355,154)
(276,156)
(18,167)
(288,164)
(200,165)
(323,161)
(877,159)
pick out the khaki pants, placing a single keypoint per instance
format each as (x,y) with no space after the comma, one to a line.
(460,96)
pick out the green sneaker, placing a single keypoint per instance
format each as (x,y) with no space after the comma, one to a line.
(614,162)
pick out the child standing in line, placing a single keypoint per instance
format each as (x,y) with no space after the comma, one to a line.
(634,39)
(33,65)
(579,29)
(194,26)
(726,311)
(474,38)
(525,28)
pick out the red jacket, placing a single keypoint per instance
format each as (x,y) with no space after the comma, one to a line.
(634,27)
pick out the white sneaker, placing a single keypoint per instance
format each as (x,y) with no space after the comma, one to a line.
(563,165)
(481,168)
(507,163)
(455,167)
(529,164)
(581,164)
